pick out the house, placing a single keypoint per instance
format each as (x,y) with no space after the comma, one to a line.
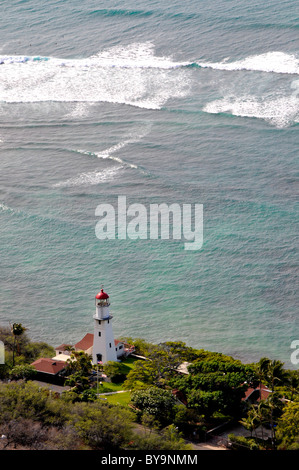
(63,353)
(49,370)
(253,395)
(183,368)
(86,345)
(179,397)
(63,349)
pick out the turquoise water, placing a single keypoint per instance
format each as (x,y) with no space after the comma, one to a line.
(161,102)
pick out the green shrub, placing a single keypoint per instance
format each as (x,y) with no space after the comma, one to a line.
(242,443)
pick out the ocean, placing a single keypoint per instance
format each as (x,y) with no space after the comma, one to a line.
(161,102)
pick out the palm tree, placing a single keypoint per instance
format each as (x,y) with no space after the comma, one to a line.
(262,412)
(261,370)
(272,372)
(251,422)
(293,383)
(17,330)
(276,374)
(275,406)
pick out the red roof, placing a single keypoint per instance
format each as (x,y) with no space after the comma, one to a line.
(48,365)
(85,343)
(62,347)
(263,390)
(102,295)
(180,396)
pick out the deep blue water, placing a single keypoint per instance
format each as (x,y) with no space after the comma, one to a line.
(161,102)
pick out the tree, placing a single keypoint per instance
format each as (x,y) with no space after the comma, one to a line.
(79,361)
(25,433)
(250,422)
(216,384)
(34,350)
(17,330)
(156,402)
(179,350)
(293,384)
(288,425)
(174,438)
(167,439)
(206,402)
(114,370)
(23,399)
(103,428)
(276,374)
(24,371)
(188,420)
(144,374)
(275,406)
(78,371)
(271,372)
(142,347)
(27,351)
(156,370)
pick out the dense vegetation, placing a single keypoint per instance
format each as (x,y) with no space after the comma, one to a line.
(161,408)
(32,417)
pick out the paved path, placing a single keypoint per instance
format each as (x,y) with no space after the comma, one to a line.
(55,388)
(207,447)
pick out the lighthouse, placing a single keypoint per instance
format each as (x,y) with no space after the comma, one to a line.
(103,340)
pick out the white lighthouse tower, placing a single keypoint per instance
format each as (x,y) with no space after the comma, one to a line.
(103,340)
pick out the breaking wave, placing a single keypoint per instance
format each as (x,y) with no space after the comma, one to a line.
(278,111)
(131,75)
(278,62)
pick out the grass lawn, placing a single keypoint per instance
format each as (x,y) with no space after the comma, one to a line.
(127,365)
(118,398)
(110,387)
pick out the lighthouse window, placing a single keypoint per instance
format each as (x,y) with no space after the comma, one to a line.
(109,345)
(100,333)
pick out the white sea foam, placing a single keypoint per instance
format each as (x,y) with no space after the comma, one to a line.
(79,110)
(141,55)
(106,154)
(278,62)
(5,208)
(131,75)
(90,178)
(279,111)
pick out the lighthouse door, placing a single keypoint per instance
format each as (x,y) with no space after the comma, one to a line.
(99,357)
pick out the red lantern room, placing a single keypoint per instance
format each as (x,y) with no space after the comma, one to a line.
(102,298)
